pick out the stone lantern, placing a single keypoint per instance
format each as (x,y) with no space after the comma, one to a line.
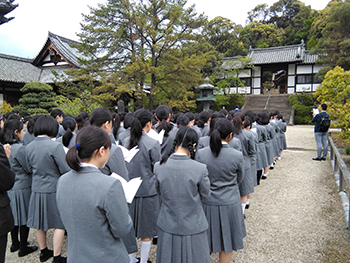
(206,94)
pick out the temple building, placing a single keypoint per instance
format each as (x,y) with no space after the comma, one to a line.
(6,7)
(57,54)
(282,70)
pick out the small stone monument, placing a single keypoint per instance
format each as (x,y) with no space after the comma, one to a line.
(206,93)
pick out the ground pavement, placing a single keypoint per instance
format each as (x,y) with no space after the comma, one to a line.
(295,214)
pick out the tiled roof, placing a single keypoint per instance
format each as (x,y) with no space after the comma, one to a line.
(64,47)
(16,69)
(22,70)
(282,54)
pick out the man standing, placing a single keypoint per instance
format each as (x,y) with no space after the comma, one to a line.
(321,133)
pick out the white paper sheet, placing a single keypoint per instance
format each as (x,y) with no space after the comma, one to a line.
(130,188)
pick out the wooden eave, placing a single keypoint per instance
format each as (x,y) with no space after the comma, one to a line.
(45,51)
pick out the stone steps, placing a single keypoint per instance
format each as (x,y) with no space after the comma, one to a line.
(280,102)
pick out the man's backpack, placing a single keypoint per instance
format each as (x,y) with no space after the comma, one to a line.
(325,123)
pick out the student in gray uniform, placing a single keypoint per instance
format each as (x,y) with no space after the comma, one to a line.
(181,221)
(223,209)
(145,204)
(264,122)
(58,115)
(102,118)
(126,133)
(12,133)
(203,122)
(163,117)
(246,186)
(68,139)
(282,137)
(46,160)
(92,206)
(191,119)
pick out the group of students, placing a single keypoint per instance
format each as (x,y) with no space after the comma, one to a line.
(197,182)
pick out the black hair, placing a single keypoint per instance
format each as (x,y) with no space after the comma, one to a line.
(247,122)
(214,117)
(250,114)
(223,128)
(237,106)
(14,117)
(224,111)
(46,125)
(190,116)
(81,119)
(162,114)
(68,124)
(237,124)
(185,137)
(89,139)
(204,116)
(99,116)
(141,118)
(279,117)
(128,119)
(182,120)
(121,116)
(324,106)
(264,118)
(7,133)
(56,112)
(116,124)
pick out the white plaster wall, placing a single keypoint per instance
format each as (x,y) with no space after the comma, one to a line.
(304,87)
(256,91)
(244,90)
(233,90)
(291,90)
(256,82)
(1,99)
(304,69)
(291,69)
(291,81)
(257,72)
(317,68)
(244,74)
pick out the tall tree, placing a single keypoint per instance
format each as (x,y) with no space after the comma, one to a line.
(335,92)
(334,43)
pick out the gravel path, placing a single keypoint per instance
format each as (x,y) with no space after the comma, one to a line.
(295,214)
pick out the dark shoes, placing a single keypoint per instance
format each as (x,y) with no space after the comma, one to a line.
(59,259)
(247,206)
(319,159)
(27,250)
(14,247)
(45,254)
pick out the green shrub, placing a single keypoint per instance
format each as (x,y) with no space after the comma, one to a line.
(347,150)
(302,104)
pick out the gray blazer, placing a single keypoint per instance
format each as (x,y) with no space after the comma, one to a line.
(182,184)
(46,160)
(116,163)
(225,173)
(18,163)
(142,165)
(122,137)
(94,211)
(168,141)
(203,142)
(205,130)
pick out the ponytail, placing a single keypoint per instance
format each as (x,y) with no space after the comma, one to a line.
(69,125)
(89,139)
(215,142)
(67,136)
(223,128)
(162,113)
(141,118)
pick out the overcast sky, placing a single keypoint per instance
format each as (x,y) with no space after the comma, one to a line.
(25,35)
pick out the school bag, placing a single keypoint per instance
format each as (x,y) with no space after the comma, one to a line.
(324,124)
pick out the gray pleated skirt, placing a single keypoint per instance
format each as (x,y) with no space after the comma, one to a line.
(226,227)
(269,151)
(19,205)
(43,212)
(246,186)
(144,213)
(182,249)
(263,162)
